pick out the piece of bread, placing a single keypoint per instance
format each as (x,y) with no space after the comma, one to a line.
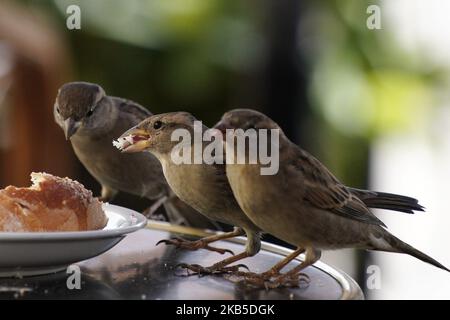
(50,204)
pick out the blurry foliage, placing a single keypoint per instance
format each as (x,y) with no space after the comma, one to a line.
(200,56)
(363,84)
(168,55)
(189,54)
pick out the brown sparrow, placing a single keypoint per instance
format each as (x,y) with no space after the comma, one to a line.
(305,205)
(203,186)
(91,120)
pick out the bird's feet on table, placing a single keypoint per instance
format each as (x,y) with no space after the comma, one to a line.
(192,269)
(193,245)
(272,280)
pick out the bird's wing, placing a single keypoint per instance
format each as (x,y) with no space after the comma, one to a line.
(323,191)
(132,109)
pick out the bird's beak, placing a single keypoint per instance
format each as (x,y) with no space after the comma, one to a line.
(133,140)
(70,127)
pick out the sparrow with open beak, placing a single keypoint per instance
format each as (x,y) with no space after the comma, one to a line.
(305,205)
(91,120)
(203,186)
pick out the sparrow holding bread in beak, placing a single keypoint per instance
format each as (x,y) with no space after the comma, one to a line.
(305,205)
(91,120)
(203,186)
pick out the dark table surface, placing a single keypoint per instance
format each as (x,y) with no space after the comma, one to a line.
(138,269)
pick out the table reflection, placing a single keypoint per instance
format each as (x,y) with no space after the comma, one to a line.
(138,269)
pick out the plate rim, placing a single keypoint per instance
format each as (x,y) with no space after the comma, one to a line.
(141,222)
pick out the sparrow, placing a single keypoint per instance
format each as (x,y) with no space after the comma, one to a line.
(203,186)
(91,120)
(305,205)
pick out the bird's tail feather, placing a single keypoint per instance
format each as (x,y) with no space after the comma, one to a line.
(397,245)
(388,201)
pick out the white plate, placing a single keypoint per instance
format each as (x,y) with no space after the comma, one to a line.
(33,253)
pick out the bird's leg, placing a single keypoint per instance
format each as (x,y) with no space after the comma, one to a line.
(107,194)
(155,206)
(291,278)
(275,270)
(204,242)
(219,267)
(253,245)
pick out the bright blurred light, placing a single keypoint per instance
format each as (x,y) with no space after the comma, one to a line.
(416,161)
(416,164)
(421,27)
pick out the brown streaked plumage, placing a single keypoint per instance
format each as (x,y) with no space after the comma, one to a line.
(305,205)
(204,187)
(91,120)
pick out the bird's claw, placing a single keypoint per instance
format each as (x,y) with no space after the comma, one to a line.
(235,268)
(200,270)
(161,241)
(193,245)
(195,268)
(265,281)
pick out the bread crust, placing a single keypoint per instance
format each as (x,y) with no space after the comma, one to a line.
(50,204)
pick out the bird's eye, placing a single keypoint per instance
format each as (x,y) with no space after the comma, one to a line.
(157,125)
(90,112)
(57,110)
